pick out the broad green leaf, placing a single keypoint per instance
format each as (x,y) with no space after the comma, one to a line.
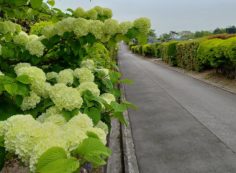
(36,3)
(23,79)
(120,117)
(94,114)
(69,165)
(94,151)
(118,107)
(11,88)
(51,2)
(126,81)
(49,156)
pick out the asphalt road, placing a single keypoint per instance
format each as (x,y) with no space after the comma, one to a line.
(182,125)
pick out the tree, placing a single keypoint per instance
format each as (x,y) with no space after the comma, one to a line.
(231,30)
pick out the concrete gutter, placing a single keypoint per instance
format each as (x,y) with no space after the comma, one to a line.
(130,159)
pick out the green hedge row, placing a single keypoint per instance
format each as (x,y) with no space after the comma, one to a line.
(198,55)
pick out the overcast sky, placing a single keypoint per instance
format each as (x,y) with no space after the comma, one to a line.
(167,15)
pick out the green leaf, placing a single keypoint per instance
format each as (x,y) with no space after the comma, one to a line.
(51,2)
(11,88)
(23,79)
(120,117)
(36,3)
(69,165)
(118,107)
(126,81)
(55,160)
(94,151)
(129,105)
(94,114)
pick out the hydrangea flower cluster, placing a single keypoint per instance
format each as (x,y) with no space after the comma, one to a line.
(111,27)
(9,27)
(29,138)
(1,73)
(37,78)
(30,102)
(51,75)
(54,115)
(87,23)
(108,97)
(142,24)
(88,63)
(84,75)
(81,27)
(32,43)
(22,38)
(35,47)
(124,27)
(90,86)
(66,77)
(94,13)
(65,97)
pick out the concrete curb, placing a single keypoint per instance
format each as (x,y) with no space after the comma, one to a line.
(130,159)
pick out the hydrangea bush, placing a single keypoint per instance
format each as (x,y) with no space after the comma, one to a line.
(59,84)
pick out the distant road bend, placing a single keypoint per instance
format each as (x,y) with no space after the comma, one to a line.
(182,125)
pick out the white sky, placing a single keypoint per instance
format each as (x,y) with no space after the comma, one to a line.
(167,15)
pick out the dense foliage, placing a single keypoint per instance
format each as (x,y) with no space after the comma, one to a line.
(213,52)
(59,83)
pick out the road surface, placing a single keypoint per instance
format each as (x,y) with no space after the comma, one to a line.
(182,125)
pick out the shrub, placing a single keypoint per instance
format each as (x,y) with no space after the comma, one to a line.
(168,52)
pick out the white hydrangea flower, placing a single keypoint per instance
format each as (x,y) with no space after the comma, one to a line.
(52,115)
(111,26)
(20,65)
(66,76)
(65,25)
(90,86)
(2,127)
(100,133)
(51,75)
(81,121)
(108,97)
(41,88)
(33,37)
(35,74)
(65,97)
(96,28)
(22,132)
(73,137)
(49,31)
(103,73)
(81,27)
(53,137)
(91,14)
(142,24)
(107,12)
(35,47)
(103,126)
(9,27)
(22,38)
(84,75)
(124,27)
(30,101)
(88,63)
(79,12)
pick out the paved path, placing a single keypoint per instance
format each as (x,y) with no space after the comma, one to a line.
(182,125)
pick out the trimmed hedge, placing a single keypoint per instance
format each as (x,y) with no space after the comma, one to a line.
(217,52)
